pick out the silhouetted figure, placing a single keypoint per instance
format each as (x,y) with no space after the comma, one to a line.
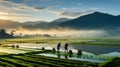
(13,46)
(5,40)
(43,48)
(17,46)
(0,44)
(54,50)
(58,46)
(79,53)
(70,53)
(66,47)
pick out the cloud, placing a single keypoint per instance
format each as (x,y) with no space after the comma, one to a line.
(24,8)
(42,8)
(18,12)
(10,5)
(37,0)
(71,13)
(4,0)
(3,13)
(94,8)
(74,14)
(9,8)
(20,15)
(39,8)
(15,17)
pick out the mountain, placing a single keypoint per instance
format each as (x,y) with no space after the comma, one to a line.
(93,21)
(7,24)
(60,20)
(33,23)
(46,25)
(57,22)
(96,20)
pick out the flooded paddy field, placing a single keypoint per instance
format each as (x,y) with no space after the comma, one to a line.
(90,52)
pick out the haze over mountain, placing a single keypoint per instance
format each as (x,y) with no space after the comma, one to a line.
(57,22)
(33,23)
(93,21)
(8,24)
(44,24)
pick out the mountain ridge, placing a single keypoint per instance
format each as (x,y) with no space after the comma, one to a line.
(96,20)
(93,21)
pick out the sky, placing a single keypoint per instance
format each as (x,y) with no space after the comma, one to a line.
(49,10)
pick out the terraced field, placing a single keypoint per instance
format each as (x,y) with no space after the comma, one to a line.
(31,59)
(28,60)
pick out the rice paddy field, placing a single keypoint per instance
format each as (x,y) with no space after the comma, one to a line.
(77,41)
(30,53)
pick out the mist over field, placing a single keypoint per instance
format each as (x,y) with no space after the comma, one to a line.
(62,32)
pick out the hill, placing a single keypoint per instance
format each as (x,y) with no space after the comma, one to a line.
(96,20)
(7,24)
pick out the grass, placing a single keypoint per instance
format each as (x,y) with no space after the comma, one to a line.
(72,41)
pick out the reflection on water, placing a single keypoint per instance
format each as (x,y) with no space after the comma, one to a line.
(84,57)
(88,52)
(34,45)
(97,49)
(66,56)
(88,48)
(58,54)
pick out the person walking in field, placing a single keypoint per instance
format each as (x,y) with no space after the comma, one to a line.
(58,46)
(66,47)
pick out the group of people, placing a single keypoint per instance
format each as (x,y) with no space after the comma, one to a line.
(15,46)
(79,52)
(65,46)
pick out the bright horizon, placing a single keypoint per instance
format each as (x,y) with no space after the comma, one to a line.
(49,10)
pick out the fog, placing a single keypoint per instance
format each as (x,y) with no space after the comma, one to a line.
(61,32)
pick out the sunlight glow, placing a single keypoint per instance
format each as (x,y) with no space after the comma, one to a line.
(2,17)
(3,13)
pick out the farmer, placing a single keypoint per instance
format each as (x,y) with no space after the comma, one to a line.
(13,46)
(66,47)
(17,46)
(58,46)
